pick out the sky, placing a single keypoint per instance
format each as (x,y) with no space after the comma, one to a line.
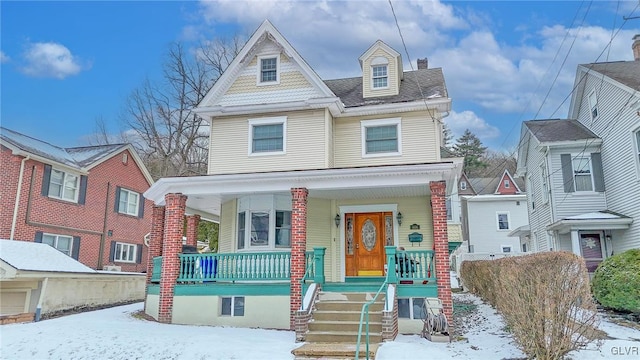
(63,65)
(123,336)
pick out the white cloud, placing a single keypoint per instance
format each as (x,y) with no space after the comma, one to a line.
(50,60)
(459,122)
(4,58)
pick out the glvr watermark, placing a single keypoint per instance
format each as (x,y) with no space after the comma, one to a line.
(625,350)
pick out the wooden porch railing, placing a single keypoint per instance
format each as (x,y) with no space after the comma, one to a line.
(416,265)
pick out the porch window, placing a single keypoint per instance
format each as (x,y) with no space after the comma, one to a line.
(411,308)
(582,174)
(232,306)
(381,137)
(264,222)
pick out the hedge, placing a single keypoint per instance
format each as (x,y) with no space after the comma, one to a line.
(616,282)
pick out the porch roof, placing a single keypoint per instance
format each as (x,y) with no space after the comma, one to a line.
(523,230)
(599,220)
(206,193)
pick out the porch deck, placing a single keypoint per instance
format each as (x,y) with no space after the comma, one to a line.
(269,273)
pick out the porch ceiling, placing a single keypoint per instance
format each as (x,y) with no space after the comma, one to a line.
(207,193)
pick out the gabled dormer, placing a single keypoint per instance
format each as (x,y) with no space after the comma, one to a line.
(381,71)
(464,186)
(507,186)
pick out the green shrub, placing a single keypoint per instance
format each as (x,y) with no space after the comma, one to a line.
(616,282)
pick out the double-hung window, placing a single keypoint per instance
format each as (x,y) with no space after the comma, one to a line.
(593,105)
(125,252)
(268,69)
(129,202)
(636,140)
(544,183)
(582,173)
(60,242)
(381,137)
(267,136)
(379,76)
(63,185)
(264,222)
(503,220)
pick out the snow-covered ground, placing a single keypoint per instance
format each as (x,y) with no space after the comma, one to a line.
(115,334)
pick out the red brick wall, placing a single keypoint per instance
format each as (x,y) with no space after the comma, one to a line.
(441,246)
(171,247)
(298,248)
(156,238)
(192,229)
(72,219)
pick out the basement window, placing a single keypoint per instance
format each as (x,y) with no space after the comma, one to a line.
(414,311)
(232,306)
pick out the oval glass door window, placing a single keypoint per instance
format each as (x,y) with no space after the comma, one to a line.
(369,234)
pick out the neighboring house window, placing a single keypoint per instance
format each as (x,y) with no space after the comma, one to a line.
(530,190)
(411,308)
(267,136)
(128,203)
(232,306)
(64,185)
(593,105)
(506,184)
(544,183)
(636,137)
(379,77)
(463,185)
(503,221)
(582,174)
(125,252)
(60,242)
(381,137)
(264,222)
(269,69)
(449,213)
(524,247)
(506,248)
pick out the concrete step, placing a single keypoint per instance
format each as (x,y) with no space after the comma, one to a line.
(347,296)
(347,305)
(349,337)
(331,351)
(341,325)
(345,315)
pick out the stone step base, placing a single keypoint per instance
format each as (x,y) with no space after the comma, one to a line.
(333,351)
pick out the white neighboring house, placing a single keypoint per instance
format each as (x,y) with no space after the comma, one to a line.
(583,174)
(497,208)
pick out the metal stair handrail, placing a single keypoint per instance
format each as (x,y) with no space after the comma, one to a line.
(365,308)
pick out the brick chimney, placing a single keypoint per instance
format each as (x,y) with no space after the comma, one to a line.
(424,63)
(635,47)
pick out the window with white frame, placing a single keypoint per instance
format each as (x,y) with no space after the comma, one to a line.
(232,306)
(128,202)
(63,185)
(544,183)
(531,190)
(506,248)
(503,220)
(449,210)
(582,173)
(125,252)
(379,76)
(264,222)
(381,137)
(60,242)
(507,184)
(411,308)
(463,185)
(267,136)
(269,69)
(593,105)
(636,140)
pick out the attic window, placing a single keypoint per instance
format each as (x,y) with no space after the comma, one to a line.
(268,69)
(507,184)
(463,185)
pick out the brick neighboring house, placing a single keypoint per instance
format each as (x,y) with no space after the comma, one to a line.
(85,201)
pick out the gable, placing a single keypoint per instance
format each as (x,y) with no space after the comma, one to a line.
(507,185)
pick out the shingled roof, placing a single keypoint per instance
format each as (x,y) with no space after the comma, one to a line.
(431,81)
(75,157)
(559,130)
(624,72)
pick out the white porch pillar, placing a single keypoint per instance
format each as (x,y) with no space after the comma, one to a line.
(575,243)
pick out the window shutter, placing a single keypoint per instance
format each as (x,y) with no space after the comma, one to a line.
(112,252)
(38,238)
(82,196)
(598,174)
(139,254)
(46,178)
(140,205)
(115,208)
(567,172)
(75,250)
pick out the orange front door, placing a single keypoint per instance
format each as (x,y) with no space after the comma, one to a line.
(369,244)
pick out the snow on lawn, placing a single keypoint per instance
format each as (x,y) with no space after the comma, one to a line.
(115,334)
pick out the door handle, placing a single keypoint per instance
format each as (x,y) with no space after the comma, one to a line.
(357,246)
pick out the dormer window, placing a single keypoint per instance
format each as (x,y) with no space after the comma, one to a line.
(268,67)
(379,73)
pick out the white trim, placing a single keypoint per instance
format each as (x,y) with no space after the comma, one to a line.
(126,211)
(364,124)
(373,78)
(62,186)
(635,137)
(130,246)
(502,247)
(544,182)
(259,81)
(232,311)
(267,121)
(593,105)
(347,209)
(498,213)
(573,172)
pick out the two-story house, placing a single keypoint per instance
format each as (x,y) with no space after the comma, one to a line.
(584,173)
(317,184)
(492,208)
(86,202)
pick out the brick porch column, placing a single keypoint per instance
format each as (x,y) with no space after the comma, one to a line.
(155,238)
(441,247)
(298,248)
(192,229)
(171,247)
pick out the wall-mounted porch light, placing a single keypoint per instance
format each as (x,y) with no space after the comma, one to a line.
(399,218)
(337,220)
